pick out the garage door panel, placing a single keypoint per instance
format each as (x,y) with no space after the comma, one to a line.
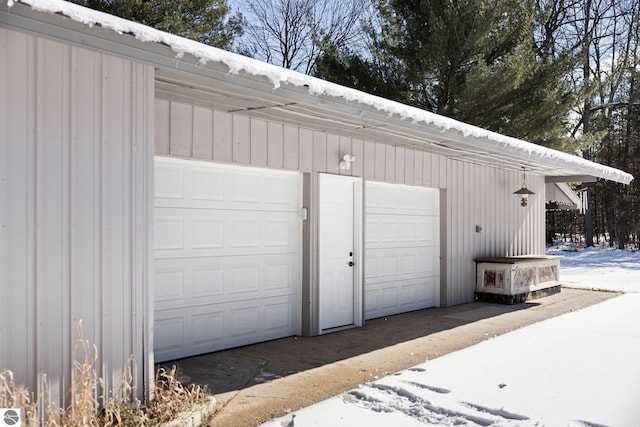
(169,285)
(396,200)
(401,249)
(244,278)
(277,232)
(169,182)
(278,317)
(392,230)
(204,232)
(215,327)
(208,329)
(168,233)
(195,281)
(244,188)
(198,185)
(183,232)
(277,190)
(208,186)
(243,322)
(176,330)
(393,264)
(388,298)
(168,334)
(227,256)
(207,281)
(407,295)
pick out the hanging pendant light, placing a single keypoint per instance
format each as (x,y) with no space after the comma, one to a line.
(524,192)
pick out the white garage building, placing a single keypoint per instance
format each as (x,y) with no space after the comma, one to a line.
(181,199)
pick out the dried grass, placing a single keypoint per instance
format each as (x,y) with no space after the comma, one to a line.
(89,407)
(171,397)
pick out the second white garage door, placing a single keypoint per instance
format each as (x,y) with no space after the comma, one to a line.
(401,249)
(227,256)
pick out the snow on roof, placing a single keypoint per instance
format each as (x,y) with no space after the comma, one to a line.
(316,87)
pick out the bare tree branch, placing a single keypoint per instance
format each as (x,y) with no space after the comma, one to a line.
(292,33)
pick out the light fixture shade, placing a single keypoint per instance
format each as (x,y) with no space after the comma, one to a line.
(524,192)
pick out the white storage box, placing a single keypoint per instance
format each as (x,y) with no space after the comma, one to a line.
(516,279)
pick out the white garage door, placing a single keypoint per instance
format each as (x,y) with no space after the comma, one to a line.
(227,261)
(401,249)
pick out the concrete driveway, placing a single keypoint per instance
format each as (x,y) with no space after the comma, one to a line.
(258,382)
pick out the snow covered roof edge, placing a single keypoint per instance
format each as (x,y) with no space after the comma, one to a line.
(280,76)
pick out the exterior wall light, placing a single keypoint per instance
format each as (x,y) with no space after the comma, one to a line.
(345,163)
(524,192)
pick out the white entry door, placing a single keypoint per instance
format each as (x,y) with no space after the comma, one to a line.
(339,251)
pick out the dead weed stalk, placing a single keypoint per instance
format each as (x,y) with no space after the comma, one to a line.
(89,407)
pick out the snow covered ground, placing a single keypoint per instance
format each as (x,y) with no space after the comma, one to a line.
(595,268)
(580,369)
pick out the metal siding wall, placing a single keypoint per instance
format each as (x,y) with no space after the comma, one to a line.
(291,148)
(305,139)
(258,137)
(368,160)
(483,195)
(357,149)
(52,202)
(17,213)
(275,145)
(203,120)
(476,194)
(76,158)
(409,173)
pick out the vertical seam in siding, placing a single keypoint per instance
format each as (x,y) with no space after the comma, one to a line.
(192,142)
(73,191)
(65,207)
(31,174)
(132,184)
(103,217)
(96,139)
(450,233)
(38,203)
(128,88)
(147,295)
(4,59)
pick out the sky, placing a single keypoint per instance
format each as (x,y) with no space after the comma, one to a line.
(581,369)
(316,87)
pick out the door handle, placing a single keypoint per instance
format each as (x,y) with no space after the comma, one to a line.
(351,264)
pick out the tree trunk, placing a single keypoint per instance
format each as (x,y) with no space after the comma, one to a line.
(621,220)
(588,213)
(588,217)
(551,228)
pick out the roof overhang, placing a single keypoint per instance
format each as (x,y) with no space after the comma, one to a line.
(241,85)
(561,196)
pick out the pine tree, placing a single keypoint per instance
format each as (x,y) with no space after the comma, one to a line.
(206,21)
(522,97)
(473,60)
